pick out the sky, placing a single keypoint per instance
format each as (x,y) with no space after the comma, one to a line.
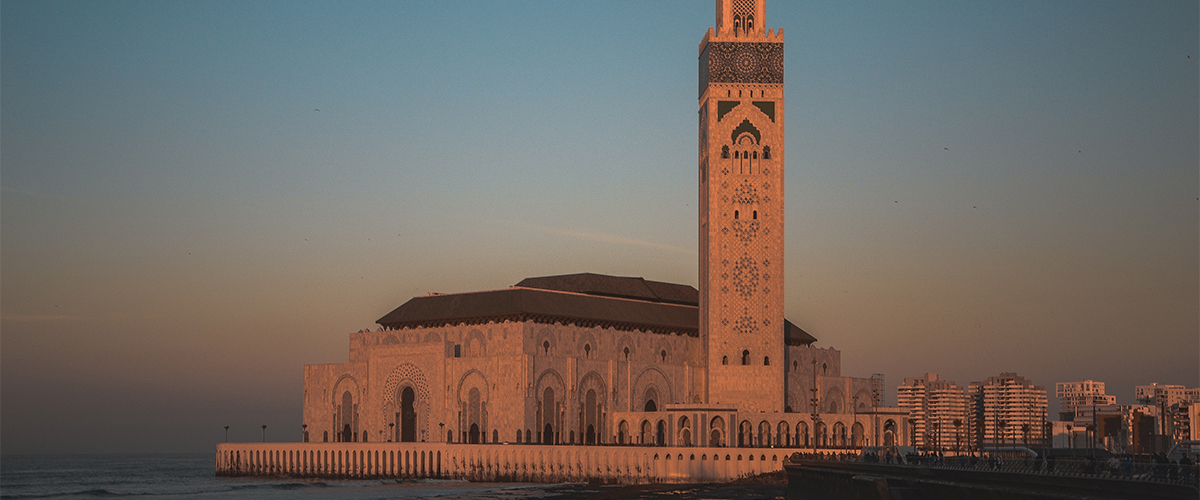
(199,197)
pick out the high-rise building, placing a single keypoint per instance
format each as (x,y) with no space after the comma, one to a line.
(1073,394)
(1165,395)
(938,412)
(1007,410)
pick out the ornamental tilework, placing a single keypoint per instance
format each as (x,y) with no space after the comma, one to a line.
(742,62)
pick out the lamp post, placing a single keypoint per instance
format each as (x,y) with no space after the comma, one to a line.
(226,433)
(441,428)
(264,432)
(304,432)
(391,431)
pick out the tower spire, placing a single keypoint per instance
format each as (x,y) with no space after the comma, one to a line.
(741,209)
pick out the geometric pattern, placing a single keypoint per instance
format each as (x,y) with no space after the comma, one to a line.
(746,194)
(745,230)
(408,372)
(745,277)
(741,62)
(745,325)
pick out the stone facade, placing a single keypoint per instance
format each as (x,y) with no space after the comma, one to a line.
(741,232)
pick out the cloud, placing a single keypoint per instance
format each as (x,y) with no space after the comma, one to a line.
(31,194)
(31,318)
(610,238)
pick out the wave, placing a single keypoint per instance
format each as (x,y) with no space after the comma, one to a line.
(105,493)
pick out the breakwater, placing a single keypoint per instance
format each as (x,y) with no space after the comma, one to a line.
(496,462)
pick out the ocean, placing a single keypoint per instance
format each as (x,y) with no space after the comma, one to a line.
(191,477)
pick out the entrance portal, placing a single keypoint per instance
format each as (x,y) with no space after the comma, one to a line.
(408,416)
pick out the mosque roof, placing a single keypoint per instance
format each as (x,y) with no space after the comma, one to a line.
(544,306)
(585,299)
(794,335)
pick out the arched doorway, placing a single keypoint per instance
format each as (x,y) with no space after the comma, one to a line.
(549,413)
(716,432)
(346,416)
(645,437)
(408,415)
(660,434)
(685,432)
(590,417)
(889,433)
(856,435)
(651,398)
(622,432)
(474,416)
(745,434)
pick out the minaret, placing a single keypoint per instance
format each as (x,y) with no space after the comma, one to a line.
(741,208)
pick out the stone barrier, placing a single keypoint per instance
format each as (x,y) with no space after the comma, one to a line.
(496,462)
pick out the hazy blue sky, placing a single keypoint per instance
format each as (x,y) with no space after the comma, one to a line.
(972,187)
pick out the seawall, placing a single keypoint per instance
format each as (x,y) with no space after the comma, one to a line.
(496,462)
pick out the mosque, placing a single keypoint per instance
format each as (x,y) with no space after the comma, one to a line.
(590,359)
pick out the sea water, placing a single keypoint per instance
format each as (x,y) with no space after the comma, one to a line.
(192,477)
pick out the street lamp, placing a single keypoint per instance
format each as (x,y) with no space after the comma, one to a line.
(391,431)
(304,432)
(226,433)
(264,433)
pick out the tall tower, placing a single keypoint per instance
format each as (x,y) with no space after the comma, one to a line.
(741,208)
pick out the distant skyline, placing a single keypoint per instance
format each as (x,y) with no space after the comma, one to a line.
(197,198)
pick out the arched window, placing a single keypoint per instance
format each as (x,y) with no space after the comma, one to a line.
(651,400)
(724,360)
(745,357)
(755,215)
(824,369)
(663,355)
(766,361)
(587,351)
(795,366)
(754,155)
(325,438)
(737,23)
(546,346)
(725,152)
(518,436)
(737,155)
(766,152)
(626,354)
(735,214)
(749,24)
